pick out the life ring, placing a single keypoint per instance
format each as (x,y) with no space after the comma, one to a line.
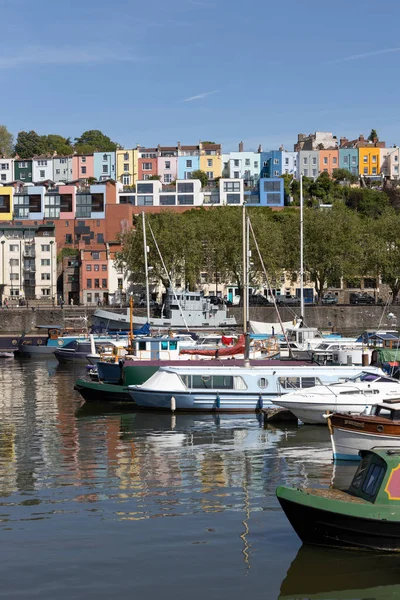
(380,428)
(14,342)
(39,342)
(60,342)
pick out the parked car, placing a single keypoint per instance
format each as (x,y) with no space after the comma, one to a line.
(258,300)
(288,301)
(361,298)
(329,299)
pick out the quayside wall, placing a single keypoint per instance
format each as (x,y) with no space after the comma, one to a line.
(343,319)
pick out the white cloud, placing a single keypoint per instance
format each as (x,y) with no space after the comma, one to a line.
(42,55)
(365,55)
(200,96)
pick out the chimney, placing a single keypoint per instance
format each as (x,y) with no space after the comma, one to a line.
(259,148)
(281,148)
(361,137)
(179,145)
(241,146)
(343,141)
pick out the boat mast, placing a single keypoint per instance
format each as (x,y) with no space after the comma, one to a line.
(244,274)
(301,251)
(146,268)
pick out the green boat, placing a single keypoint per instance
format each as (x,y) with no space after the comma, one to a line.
(365,516)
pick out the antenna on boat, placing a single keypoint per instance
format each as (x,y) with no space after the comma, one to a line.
(301,251)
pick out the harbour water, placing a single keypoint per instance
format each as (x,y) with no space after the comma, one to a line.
(96,505)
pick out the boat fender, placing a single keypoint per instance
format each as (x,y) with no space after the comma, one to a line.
(173,404)
(217,401)
(380,428)
(260,403)
(39,342)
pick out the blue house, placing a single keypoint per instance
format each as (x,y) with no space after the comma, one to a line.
(104,165)
(272,192)
(348,159)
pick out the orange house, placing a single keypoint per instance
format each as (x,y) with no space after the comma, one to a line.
(328,161)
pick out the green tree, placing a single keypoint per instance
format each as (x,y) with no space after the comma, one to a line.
(370,203)
(30,143)
(58,143)
(6,142)
(373,135)
(94,141)
(332,244)
(344,175)
(154,178)
(202,175)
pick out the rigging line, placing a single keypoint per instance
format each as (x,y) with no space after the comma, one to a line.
(269,288)
(169,278)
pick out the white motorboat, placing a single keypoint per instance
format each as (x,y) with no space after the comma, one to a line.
(231,388)
(353,396)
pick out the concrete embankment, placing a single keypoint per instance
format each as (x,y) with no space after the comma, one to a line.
(339,318)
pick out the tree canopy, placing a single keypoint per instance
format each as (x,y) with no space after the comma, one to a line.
(94,140)
(6,142)
(202,175)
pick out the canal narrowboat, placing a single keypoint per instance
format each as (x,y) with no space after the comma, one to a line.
(365,516)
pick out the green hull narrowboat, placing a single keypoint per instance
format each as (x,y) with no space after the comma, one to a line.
(366,516)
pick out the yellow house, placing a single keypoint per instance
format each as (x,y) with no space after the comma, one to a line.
(127,166)
(211,159)
(6,203)
(369,160)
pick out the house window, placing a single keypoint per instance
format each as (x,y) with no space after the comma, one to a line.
(100,238)
(167,164)
(265,164)
(126,167)
(353,160)
(45,292)
(68,238)
(14,247)
(23,165)
(14,262)
(89,283)
(89,298)
(325,160)
(276,161)
(314,172)
(188,164)
(126,179)
(365,159)
(3,177)
(104,267)
(346,159)
(276,173)
(167,178)
(305,161)
(97,267)
(314,160)
(105,168)
(88,267)
(305,172)
(185,199)
(373,170)
(236,163)
(334,160)
(14,276)
(104,283)
(83,170)
(247,162)
(256,164)
(45,247)
(365,170)
(236,175)
(97,283)
(57,171)
(41,173)
(4,166)
(147,166)
(83,159)
(231,186)
(104,156)
(45,277)
(374,159)
(126,156)
(233,198)
(210,174)
(396,158)
(209,162)
(45,262)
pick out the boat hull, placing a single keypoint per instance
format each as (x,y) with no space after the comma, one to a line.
(321,527)
(65,357)
(103,392)
(212,402)
(313,414)
(346,443)
(117,322)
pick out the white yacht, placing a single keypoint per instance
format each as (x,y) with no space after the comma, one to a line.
(353,396)
(232,388)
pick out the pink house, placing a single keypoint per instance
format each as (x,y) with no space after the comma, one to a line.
(82,166)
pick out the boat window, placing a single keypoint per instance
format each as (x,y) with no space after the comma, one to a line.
(307,382)
(173,345)
(186,380)
(239,383)
(174,307)
(351,392)
(368,477)
(142,345)
(202,382)
(164,345)
(223,382)
(263,383)
(288,383)
(382,411)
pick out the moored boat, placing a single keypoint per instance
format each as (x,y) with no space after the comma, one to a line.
(230,388)
(365,516)
(352,433)
(352,396)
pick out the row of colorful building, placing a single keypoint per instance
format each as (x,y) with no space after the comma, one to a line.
(312,155)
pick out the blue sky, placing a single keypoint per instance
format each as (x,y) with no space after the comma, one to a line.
(164,71)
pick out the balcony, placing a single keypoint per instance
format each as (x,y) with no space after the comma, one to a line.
(30,269)
(29,252)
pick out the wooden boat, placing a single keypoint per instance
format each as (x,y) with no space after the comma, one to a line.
(352,433)
(365,516)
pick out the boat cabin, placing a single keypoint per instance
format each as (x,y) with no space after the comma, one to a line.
(377,477)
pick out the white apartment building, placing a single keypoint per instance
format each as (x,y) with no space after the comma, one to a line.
(6,170)
(28,262)
(42,168)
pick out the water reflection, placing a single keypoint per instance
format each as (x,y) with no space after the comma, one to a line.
(338,575)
